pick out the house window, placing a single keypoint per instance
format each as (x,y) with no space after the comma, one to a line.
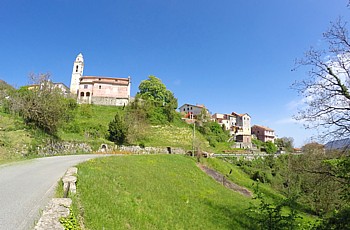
(184,109)
(82,94)
(85,86)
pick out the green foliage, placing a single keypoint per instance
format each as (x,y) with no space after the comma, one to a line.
(270,147)
(285,143)
(70,222)
(43,106)
(213,132)
(118,129)
(158,102)
(274,216)
(340,167)
(338,220)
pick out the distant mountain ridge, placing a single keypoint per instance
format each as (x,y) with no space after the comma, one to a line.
(338,144)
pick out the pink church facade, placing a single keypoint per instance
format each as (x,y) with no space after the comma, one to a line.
(98,90)
(104,91)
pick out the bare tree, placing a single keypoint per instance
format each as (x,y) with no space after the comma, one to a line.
(326,91)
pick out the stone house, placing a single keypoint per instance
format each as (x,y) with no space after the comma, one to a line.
(263,133)
(98,90)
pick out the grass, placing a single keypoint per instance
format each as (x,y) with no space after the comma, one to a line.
(14,138)
(91,126)
(241,178)
(156,192)
(175,136)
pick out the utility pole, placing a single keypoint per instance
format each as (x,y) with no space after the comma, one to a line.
(193,137)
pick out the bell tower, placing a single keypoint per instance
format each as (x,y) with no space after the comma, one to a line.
(77,73)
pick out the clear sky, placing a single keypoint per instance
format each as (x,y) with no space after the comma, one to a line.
(230,55)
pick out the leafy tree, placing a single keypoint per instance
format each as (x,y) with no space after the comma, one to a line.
(270,147)
(285,143)
(159,102)
(42,105)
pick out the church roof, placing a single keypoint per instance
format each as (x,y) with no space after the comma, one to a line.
(106,80)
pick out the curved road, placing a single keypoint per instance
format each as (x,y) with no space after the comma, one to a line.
(27,186)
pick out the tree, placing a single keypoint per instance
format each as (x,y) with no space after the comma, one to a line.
(6,91)
(270,147)
(286,143)
(327,102)
(118,129)
(42,105)
(326,91)
(159,102)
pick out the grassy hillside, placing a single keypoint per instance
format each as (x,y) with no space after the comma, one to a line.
(14,138)
(91,125)
(156,192)
(163,192)
(171,135)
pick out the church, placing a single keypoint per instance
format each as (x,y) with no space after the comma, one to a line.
(98,90)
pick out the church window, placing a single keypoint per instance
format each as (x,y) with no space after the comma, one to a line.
(99,87)
(88,94)
(82,94)
(76,68)
(85,86)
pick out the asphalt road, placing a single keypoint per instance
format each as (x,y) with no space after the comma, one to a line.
(27,186)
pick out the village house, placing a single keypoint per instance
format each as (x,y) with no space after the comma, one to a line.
(227,121)
(192,111)
(98,90)
(62,87)
(238,125)
(263,133)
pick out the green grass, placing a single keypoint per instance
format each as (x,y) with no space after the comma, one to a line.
(14,138)
(241,178)
(176,136)
(156,192)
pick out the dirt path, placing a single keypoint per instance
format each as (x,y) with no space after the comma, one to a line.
(222,180)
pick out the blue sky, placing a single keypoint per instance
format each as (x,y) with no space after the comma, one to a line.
(228,55)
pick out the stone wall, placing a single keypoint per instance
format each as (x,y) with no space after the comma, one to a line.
(109,101)
(58,147)
(139,150)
